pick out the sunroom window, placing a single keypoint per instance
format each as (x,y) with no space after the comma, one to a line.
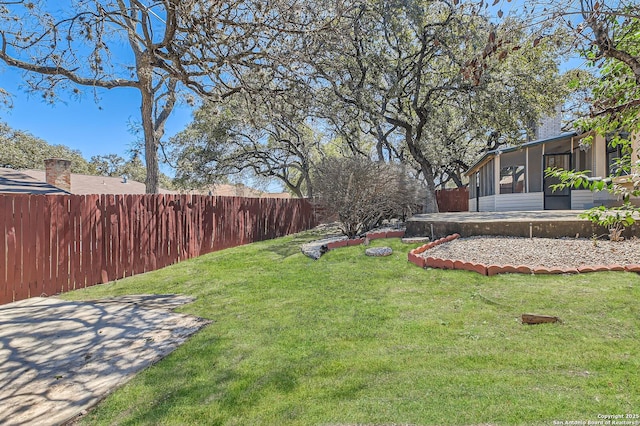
(512,180)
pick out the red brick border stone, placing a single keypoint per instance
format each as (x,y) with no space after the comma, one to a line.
(337,244)
(395,234)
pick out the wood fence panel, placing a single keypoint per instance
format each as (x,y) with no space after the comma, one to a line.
(99,243)
(75,259)
(28,240)
(152,215)
(4,285)
(36,227)
(47,280)
(137,266)
(57,249)
(114,240)
(92,272)
(85,243)
(20,288)
(6,288)
(105,242)
(28,246)
(453,200)
(123,230)
(11,249)
(142,239)
(162,233)
(57,243)
(119,243)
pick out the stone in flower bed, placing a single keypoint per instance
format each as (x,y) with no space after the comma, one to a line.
(378,251)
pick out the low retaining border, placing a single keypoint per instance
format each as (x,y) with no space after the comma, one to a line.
(370,236)
(415,257)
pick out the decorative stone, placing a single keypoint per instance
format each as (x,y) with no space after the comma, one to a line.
(378,251)
(316,249)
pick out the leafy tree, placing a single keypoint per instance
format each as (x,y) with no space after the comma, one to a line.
(606,34)
(407,66)
(21,150)
(162,50)
(609,38)
(108,165)
(269,138)
(115,166)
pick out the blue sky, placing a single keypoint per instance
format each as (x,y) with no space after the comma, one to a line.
(82,124)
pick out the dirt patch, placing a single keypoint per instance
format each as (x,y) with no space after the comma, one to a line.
(58,358)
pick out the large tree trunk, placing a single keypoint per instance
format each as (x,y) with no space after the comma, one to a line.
(430,201)
(150,140)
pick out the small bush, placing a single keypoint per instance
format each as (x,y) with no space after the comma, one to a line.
(362,193)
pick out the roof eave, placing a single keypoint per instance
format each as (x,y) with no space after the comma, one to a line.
(490,154)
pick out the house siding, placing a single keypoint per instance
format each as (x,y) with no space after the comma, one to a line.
(519,202)
(488,204)
(581,199)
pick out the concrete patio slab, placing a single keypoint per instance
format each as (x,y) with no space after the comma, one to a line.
(544,224)
(58,358)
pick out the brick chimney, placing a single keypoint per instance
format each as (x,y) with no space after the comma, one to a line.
(550,125)
(58,173)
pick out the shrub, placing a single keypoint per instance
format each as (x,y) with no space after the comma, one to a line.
(362,193)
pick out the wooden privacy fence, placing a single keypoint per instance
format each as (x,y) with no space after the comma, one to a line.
(58,243)
(453,200)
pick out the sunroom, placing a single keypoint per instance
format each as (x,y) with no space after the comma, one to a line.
(512,178)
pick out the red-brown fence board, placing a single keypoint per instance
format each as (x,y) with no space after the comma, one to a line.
(10,241)
(4,288)
(21,211)
(31,271)
(91,262)
(453,200)
(64,241)
(57,243)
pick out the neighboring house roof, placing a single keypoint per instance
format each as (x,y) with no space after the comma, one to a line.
(490,154)
(34,182)
(87,184)
(17,182)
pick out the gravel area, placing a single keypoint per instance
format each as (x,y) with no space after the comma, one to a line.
(547,252)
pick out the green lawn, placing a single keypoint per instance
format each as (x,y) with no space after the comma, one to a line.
(349,339)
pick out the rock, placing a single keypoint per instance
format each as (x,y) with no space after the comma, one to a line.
(316,249)
(378,251)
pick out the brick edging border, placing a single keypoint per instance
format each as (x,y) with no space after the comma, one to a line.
(490,270)
(370,236)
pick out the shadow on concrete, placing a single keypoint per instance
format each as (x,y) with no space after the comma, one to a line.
(58,358)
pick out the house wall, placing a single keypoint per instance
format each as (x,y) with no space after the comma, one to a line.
(581,199)
(487,204)
(519,202)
